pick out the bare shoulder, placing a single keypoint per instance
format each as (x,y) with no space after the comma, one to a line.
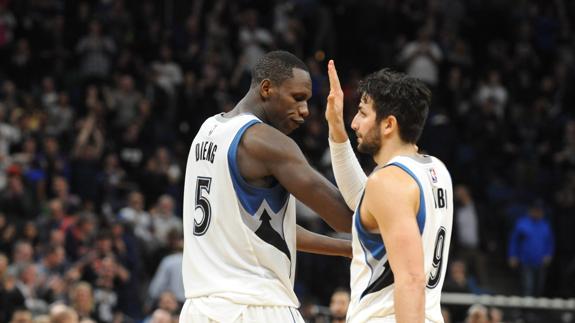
(392,181)
(265,143)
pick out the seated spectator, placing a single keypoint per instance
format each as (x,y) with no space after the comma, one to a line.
(458,281)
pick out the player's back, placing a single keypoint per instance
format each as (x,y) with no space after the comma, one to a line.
(372,281)
(239,240)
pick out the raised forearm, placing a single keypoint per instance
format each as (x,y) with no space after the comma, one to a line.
(311,242)
(348,173)
(337,131)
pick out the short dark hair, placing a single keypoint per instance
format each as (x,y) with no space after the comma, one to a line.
(406,98)
(276,66)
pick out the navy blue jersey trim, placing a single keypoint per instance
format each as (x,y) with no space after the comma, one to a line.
(250,196)
(421,214)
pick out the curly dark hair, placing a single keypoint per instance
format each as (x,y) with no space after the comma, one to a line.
(406,98)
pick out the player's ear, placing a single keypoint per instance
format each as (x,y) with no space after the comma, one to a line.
(266,89)
(388,124)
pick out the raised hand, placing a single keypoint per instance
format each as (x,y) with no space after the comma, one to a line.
(334,108)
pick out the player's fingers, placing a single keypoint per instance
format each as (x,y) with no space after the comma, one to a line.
(333,78)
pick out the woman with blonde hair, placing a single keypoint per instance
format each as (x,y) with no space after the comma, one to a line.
(82,300)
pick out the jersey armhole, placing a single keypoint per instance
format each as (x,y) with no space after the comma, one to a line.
(251,196)
(421,214)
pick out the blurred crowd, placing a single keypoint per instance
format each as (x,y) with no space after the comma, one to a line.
(99,101)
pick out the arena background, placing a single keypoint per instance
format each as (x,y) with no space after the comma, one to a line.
(99,101)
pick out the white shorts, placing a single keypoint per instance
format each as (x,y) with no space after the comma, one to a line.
(194,312)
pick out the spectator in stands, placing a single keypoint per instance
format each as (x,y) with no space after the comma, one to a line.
(55,219)
(21,316)
(458,280)
(29,287)
(95,51)
(338,305)
(138,220)
(468,232)
(531,248)
(495,315)
(82,301)
(17,203)
(422,57)
(60,190)
(123,101)
(477,314)
(164,219)
(22,255)
(492,89)
(168,277)
(61,313)
(78,240)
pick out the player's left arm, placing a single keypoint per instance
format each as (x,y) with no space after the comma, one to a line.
(392,199)
(311,242)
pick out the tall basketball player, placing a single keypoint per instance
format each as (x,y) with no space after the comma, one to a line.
(242,174)
(403,218)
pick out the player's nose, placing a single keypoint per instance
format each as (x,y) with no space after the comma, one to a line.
(303,110)
(354,123)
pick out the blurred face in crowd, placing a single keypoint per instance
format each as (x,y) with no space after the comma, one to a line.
(82,299)
(287,102)
(21,316)
(168,302)
(23,252)
(339,304)
(457,271)
(3,264)
(477,314)
(166,205)
(536,212)
(366,127)
(56,257)
(136,201)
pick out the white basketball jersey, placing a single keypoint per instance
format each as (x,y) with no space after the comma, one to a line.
(372,281)
(239,240)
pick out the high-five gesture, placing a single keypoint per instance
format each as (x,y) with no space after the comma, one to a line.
(334,109)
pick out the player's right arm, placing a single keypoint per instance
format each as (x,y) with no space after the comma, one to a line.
(348,173)
(392,201)
(265,151)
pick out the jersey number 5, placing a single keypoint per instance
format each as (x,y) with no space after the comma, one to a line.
(203,185)
(437,264)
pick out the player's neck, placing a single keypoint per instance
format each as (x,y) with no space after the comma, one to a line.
(392,149)
(251,103)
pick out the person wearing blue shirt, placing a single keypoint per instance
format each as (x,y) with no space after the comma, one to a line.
(531,248)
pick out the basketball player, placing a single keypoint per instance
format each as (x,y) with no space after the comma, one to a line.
(239,212)
(403,218)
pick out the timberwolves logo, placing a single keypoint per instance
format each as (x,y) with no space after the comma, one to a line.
(268,225)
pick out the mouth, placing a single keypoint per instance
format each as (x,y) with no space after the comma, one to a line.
(296,123)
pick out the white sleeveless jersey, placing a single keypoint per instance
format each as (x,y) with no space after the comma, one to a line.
(239,240)
(372,281)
